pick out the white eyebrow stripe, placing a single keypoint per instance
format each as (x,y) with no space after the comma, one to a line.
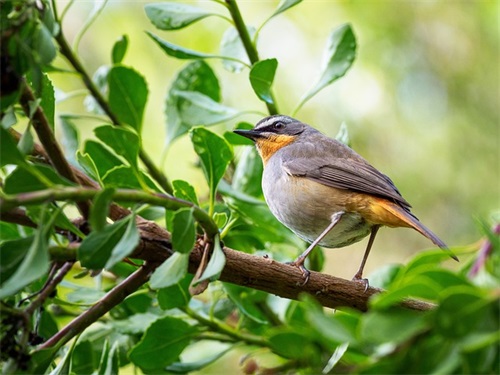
(272,120)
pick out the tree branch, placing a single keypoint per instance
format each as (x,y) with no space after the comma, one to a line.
(110,300)
(242,269)
(49,142)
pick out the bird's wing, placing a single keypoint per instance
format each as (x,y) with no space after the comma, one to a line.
(352,175)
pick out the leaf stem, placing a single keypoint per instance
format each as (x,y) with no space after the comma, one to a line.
(248,44)
(67,52)
(83,193)
(222,328)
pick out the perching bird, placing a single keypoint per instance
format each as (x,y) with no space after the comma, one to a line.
(325,192)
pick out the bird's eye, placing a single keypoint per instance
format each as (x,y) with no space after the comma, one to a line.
(279,125)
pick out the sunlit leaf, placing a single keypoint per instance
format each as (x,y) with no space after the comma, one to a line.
(178,51)
(285,5)
(199,109)
(196,76)
(124,142)
(216,263)
(232,46)
(119,50)
(171,271)
(338,57)
(128,93)
(187,367)
(262,77)
(184,190)
(173,16)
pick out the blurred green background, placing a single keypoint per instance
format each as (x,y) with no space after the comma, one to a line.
(421,101)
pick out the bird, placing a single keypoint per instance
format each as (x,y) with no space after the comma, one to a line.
(325,192)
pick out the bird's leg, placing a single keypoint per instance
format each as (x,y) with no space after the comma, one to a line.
(359,275)
(299,262)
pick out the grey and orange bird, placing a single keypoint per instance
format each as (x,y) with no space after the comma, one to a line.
(325,192)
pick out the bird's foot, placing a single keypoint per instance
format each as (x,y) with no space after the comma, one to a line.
(298,263)
(359,279)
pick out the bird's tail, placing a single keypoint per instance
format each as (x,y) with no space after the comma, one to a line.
(411,221)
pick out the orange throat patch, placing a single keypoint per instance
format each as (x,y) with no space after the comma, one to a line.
(269,145)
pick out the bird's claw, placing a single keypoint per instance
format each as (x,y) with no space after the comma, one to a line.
(362,281)
(305,272)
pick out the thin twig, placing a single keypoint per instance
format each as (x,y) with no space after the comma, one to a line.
(110,300)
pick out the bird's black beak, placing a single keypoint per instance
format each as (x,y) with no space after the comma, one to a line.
(251,134)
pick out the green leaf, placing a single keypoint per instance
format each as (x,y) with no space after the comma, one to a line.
(103,158)
(119,50)
(177,51)
(64,366)
(123,177)
(21,181)
(220,219)
(176,295)
(128,93)
(184,190)
(46,93)
(262,77)
(284,5)
(248,301)
(196,76)
(109,363)
(124,142)
(216,263)
(171,271)
(183,231)
(215,155)
(199,109)
(338,57)
(231,46)
(70,138)
(9,153)
(34,265)
(395,326)
(173,16)
(185,368)
(44,44)
(26,142)
(291,345)
(100,209)
(100,249)
(86,162)
(247,175)
(236,139)
(162,344)
(126,245)
(12,253)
